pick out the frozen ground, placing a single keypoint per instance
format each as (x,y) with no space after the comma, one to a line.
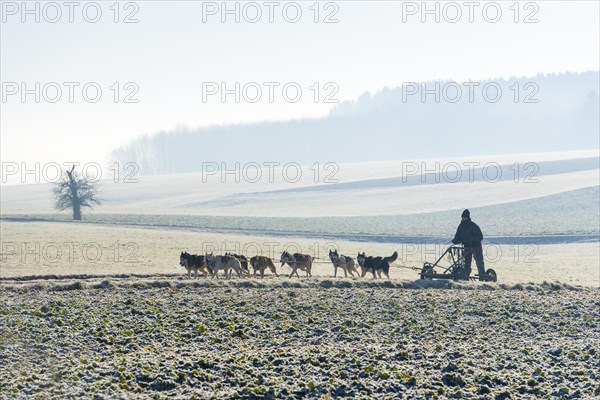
(325,340)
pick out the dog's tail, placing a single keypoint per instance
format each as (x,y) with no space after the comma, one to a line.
(392,258)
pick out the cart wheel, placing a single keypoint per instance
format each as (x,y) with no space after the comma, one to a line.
(491,275)
(426,271)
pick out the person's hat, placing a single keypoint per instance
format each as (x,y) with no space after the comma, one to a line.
(466,214)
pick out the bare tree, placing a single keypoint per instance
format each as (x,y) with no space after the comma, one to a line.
(75,192)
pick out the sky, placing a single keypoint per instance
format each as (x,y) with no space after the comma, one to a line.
(171,54)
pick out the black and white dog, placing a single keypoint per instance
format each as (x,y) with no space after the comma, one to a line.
(376,265)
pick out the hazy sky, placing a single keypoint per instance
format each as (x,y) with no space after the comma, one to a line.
(170,52)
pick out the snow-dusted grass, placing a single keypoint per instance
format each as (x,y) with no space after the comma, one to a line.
(361,190)
(568,213)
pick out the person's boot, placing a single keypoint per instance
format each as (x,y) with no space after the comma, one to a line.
(482,276)
(467,273)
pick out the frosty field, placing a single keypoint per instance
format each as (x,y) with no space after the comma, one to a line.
(321,340)
(132,325)
(102,308)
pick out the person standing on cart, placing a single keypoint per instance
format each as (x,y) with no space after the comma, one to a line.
(469,234)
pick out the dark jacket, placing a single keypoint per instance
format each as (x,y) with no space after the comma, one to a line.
(468,233)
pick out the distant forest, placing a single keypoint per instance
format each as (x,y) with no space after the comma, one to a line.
(536,114)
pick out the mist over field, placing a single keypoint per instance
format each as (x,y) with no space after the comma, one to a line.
(418,120)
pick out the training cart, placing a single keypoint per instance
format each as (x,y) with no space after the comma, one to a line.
(455,256)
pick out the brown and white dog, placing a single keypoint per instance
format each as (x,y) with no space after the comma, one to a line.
(193,262)
(297,261)
(344,262)
(243,263)
(261,263)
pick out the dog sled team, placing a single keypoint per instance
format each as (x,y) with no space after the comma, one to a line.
(210,264)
